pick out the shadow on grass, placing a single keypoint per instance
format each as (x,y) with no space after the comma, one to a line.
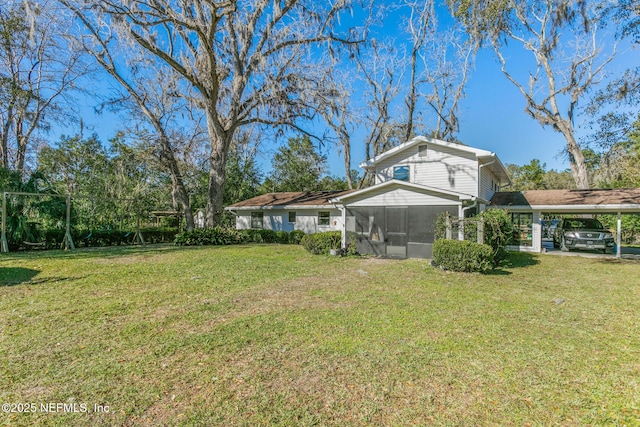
(96,252)
(11,276)
(515,260)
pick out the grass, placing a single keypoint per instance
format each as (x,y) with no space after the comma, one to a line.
(269,335)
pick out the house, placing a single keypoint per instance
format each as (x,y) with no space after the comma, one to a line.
(311,212)
(414,183)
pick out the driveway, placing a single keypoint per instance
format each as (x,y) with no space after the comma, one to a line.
(627,252)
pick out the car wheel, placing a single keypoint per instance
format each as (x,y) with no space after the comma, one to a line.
(563,246)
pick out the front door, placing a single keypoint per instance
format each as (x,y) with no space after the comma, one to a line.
(396,238)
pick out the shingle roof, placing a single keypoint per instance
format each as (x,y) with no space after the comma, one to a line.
(421,140)
(597,197)
(299,198)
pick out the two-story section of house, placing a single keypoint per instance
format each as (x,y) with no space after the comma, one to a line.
(414,183)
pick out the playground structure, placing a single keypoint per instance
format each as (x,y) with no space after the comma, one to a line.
(67,242)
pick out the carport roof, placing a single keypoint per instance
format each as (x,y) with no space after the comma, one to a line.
(598,200)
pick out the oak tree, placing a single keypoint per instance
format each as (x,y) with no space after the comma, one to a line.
(247,61)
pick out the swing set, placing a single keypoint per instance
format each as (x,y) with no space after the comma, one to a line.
(67,242)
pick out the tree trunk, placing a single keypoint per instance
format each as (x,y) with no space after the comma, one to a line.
(178,189)
(6,127)
(182,197)
(576,158)
(215,191)
(21,154)
(220,140)
(412,97)
(347,161)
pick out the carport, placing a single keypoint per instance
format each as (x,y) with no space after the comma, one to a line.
(528,207)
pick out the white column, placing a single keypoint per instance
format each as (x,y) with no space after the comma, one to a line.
(536,231)
(461,223)
(619,236)
(343,210)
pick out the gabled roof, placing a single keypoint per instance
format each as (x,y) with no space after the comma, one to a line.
(425,140)
(299,199)
(483,156)
(607,199)
(395,183)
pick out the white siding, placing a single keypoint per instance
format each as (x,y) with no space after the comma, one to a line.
(243,220)
(306,220)
(444,167)
(488,181)
(402,197)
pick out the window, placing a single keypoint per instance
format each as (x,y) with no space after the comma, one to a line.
(292,217)
(401,173)
(324,218)
(256,220)
(522,229)
(422,151)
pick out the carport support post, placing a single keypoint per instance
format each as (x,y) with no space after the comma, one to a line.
(619,236)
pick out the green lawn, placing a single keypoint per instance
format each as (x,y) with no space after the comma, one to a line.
(269,335)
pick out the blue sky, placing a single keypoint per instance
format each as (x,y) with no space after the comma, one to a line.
(491,117)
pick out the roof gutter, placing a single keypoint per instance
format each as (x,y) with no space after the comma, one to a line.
(613,208)
(279,207)
(473,206)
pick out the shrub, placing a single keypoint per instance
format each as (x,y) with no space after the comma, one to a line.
(295,237)
(231,236)
(159,235)
(463,255)
(268,236)
(210,236)
(322,243)
(498,232)
(253,236)
(282,237)
(352,247)
(470,227)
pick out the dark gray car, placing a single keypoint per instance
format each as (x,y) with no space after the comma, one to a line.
(582,233)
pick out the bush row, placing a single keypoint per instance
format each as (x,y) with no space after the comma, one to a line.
(231,236)
(463,255)
(269,236)
(54,238)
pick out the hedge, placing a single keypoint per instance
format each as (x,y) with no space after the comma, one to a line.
(54,238)
(322,243)
(463,255)
(231,236)
(210,236)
